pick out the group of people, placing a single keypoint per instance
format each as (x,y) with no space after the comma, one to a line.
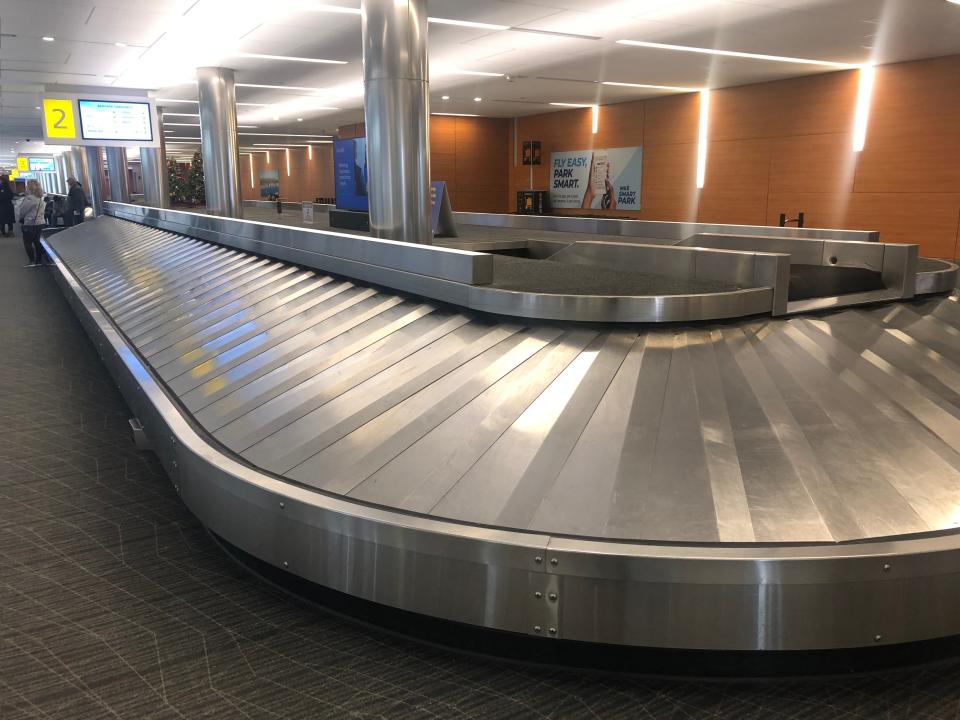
(33,213)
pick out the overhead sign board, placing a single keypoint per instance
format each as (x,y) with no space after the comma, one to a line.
(117,121)
(41,164)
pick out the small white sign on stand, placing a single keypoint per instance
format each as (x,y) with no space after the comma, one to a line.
(307,212)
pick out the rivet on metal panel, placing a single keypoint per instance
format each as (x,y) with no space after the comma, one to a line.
(538,559)
(877,638)
(176,489)
(286,564)
(282,505)
(538,594)
(886,567)
(173,464)
(536,628)
(553,597)
(552,631)
(554,561)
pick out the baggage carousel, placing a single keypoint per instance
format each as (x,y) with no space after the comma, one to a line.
(415,427)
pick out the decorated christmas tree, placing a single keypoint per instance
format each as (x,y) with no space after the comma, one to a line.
(196,191)
(176,182)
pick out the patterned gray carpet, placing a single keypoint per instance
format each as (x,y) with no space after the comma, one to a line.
(114,603)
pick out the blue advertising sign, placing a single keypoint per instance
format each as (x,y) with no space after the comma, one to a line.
(350,174)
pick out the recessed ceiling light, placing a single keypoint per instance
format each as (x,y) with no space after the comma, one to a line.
(120,44)
(651,87)
(37,107)
(299,119)
(477,99)
(732,53)
(467,23)
(291,58)
(442,97)
(276,117)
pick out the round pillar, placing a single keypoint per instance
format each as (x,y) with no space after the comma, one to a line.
(153,168)
(397,111)
(218,141)
(117,174)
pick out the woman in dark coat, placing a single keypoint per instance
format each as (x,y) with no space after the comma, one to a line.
(6,207)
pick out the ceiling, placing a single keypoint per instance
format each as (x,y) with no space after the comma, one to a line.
(554,51)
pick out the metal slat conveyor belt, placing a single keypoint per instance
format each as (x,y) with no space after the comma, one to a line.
(639,454)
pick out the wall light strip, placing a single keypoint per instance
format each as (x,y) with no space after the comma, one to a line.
(287,151)
(864,95)
(651,87)
(573,105)
(596,118)
(261,56)
(702,138)
(732,53)
(251,170)
(310,152)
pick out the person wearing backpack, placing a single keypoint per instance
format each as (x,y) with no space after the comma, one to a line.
(32,220)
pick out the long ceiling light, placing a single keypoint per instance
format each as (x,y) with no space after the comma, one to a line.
(732,53)
(467,23)
(575,105)
(455,114)
(165,124)
(650,87)
(702,138)
(862,116)
(325,7)
(290,58)
(479,73)
(285,135)
(280,87)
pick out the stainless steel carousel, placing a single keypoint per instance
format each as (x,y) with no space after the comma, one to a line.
(660,435)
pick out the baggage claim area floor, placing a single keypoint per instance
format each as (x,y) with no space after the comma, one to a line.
(117,603)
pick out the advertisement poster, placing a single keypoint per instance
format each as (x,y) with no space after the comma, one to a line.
(269,183)
(598,179)
(350,174)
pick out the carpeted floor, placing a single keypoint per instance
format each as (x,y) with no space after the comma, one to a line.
(114,603)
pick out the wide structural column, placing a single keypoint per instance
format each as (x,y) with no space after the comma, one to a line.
(78,166)
(218,139)
(117,172)
(93,170)
(153,167)
(397,111)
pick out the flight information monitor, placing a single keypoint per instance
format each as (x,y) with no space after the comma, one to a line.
(115,120)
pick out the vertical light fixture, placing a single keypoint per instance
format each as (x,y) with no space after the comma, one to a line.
(310,152)
(268,157)
(596,118)
(287,151)
(864,95)
(702,137)
(251,170)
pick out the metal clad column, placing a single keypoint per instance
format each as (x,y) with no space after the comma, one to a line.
(153,168)
(218,137)
(93,172)
(117,171)
(397,110)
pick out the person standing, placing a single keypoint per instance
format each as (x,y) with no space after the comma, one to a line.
(76,203)
(33,219)
(7,217)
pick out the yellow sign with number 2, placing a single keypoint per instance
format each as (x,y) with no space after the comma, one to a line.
(58,118)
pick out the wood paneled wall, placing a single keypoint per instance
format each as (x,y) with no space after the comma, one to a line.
(470,154)
(786,146)
(308,179)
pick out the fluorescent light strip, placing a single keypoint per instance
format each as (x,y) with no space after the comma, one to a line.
(456,114)
(197,102)
(651,87)
(596,119)
(862,116)
(266,134)
(173,100)
(732,53)
(324,7)
(251,170)
(168,114)
(467,23)
(252,127)
(182,138)
(290,58)
(555,33)
(310,152)
(478,73)
(320,142)
(287,152)
(280,87)
(575,105)
(165,124)
(702,137)
(274,146)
